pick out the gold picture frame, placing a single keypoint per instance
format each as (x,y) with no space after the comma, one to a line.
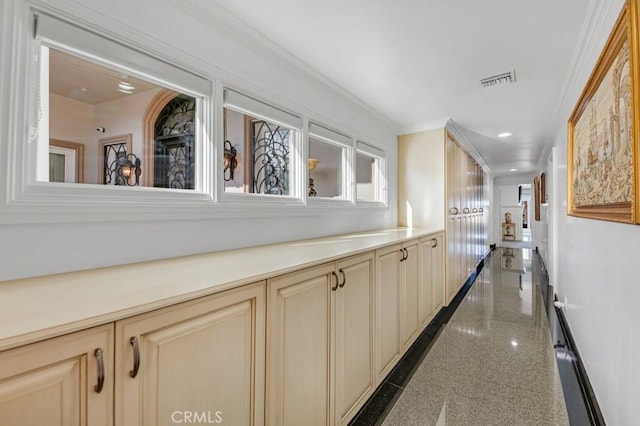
(602,141)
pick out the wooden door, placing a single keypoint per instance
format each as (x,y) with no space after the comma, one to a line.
(56,382)
(201,359)
(387,319)
(299,350)
(354,379)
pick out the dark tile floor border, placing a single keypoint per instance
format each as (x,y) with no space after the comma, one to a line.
(582,405)
(380,403)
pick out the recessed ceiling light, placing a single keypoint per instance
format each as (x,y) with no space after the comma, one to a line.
(128,92)
(513,170)
(504,135)
(514,343)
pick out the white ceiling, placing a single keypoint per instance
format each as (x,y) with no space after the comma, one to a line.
(419,61)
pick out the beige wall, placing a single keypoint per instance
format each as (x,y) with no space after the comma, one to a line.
(421,179)
(76,121)
(120,117)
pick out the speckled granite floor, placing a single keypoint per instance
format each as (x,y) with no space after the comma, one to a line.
(493,363)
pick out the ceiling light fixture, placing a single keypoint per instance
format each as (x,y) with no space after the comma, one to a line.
(513,170)
(125,87)
(504,135)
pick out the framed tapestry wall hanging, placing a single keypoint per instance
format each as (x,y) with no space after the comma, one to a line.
(602,139)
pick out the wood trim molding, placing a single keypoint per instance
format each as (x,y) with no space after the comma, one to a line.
(149,118)
(79,149)
(248,154)
(109,141)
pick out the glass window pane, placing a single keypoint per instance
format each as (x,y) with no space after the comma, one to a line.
(365,178)
(134,132)
(257,155)
(325,169)
(56,167)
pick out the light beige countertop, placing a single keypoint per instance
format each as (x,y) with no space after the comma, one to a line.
(37,308)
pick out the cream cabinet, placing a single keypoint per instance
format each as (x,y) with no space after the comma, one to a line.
(409,291)
(64,381)
(308,347)
(320,341)
(396,318)
(432,287)
(203,359)
(465,216)
(441,186)
(354,314)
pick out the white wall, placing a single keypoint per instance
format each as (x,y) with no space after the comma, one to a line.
(216,46)
(596,262)
(505,193)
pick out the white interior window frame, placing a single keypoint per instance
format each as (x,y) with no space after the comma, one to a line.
(237,100)
(325,134)
(379,175)
(28,191)
(24,199)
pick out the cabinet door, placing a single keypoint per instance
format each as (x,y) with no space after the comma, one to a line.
(387,320)
(299,352)
(202,359)
(426,290)
(55,382)
(354,336)
(437,274)
(409,308)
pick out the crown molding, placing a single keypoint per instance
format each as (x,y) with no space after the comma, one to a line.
(215,15)
(459,136)
(423,127)
(450,126)
(598,23)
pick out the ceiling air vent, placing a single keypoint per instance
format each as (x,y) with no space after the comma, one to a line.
(504,78)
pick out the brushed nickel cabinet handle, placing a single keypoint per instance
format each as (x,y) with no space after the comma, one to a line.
(100,362)
(344,278)
(337,281)
(136,357)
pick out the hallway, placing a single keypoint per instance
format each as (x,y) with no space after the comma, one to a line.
(493,363)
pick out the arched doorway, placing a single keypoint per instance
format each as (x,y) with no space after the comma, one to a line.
(169,134)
